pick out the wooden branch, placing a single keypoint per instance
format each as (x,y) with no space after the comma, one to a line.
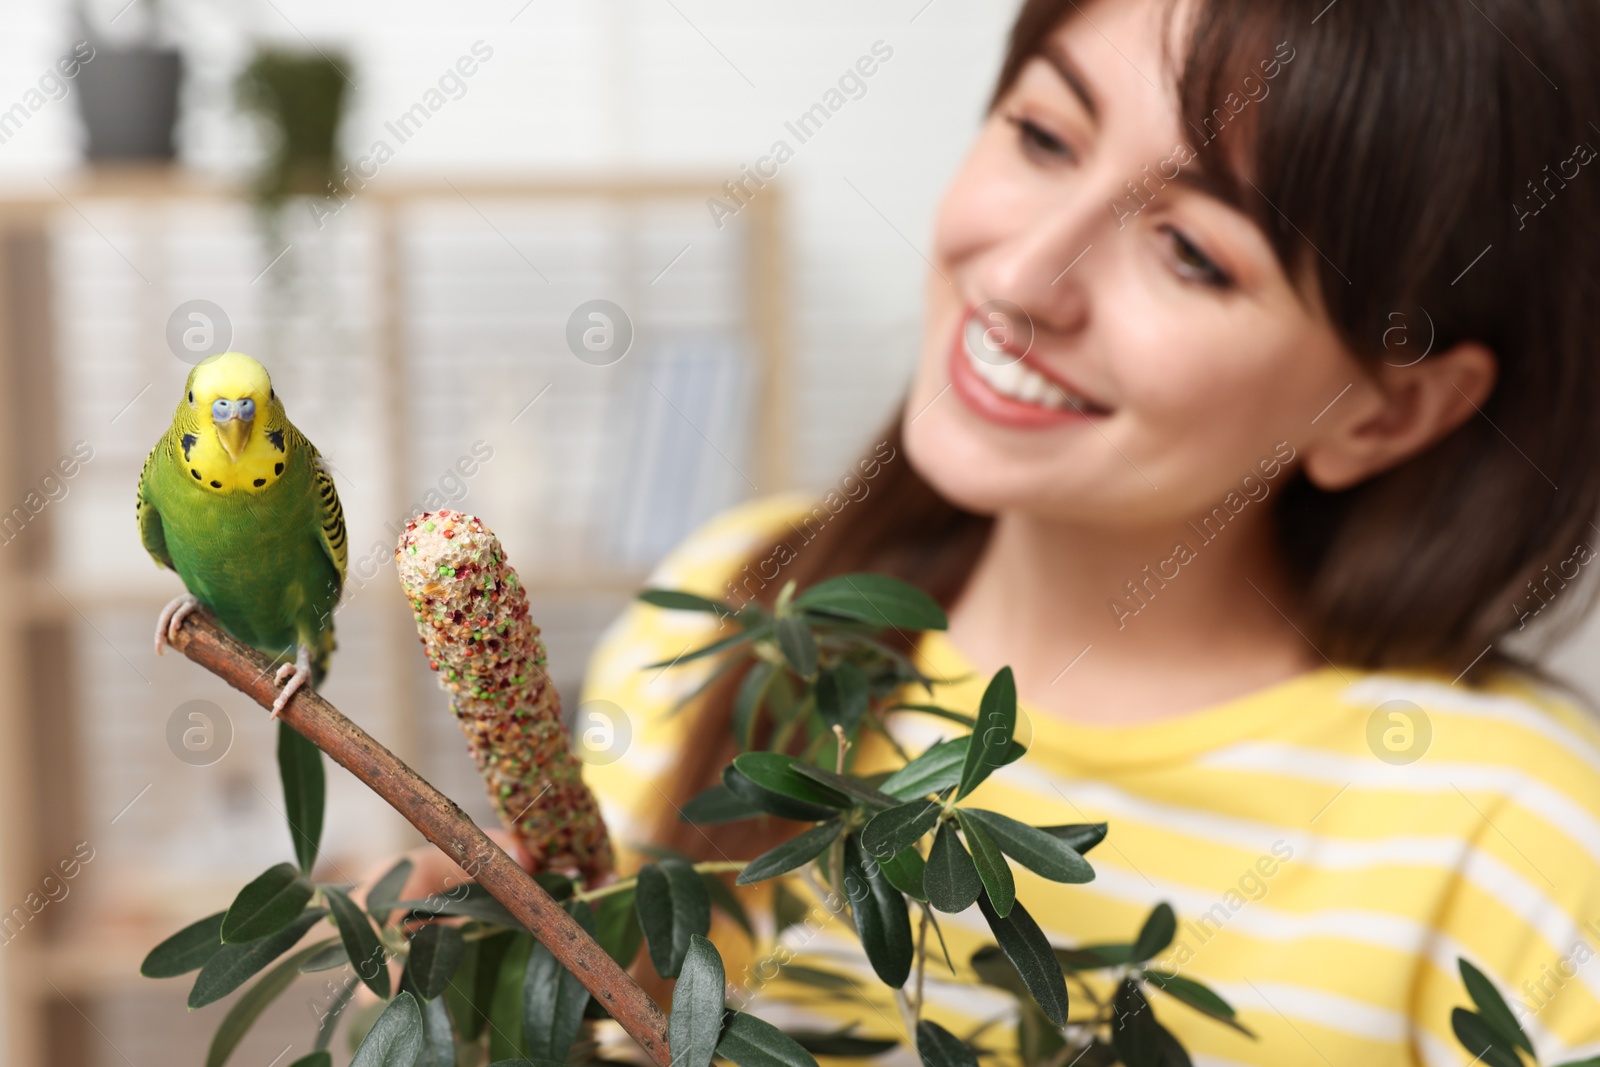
(441,821)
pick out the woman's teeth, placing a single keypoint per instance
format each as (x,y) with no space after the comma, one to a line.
(1012,378)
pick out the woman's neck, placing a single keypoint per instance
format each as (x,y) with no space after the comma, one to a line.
(1119,626)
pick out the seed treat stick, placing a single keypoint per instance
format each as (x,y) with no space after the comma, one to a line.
(472,616)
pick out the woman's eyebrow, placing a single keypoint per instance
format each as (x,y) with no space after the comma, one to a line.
(1197,177)
(1063,65)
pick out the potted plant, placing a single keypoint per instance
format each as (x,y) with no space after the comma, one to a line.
(128,96)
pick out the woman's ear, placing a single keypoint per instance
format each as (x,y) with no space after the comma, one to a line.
(1395,412)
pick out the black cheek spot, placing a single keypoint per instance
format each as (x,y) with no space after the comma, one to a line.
(259,482)
(195,473)
(277,468)
(216,484)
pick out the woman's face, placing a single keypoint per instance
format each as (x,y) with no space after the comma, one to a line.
(1163,352)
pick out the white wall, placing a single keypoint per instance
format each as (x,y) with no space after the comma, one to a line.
(629,85)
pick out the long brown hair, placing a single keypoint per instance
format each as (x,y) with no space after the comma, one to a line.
(1412,158)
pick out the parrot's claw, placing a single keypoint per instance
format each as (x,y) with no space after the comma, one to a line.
(171,618)
(292,676)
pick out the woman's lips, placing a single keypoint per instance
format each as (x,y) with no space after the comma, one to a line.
(986,401)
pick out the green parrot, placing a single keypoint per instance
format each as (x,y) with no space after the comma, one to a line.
(242,506)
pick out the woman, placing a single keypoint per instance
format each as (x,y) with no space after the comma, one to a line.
(1254,414)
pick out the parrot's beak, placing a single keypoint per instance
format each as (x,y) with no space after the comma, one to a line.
(234,433)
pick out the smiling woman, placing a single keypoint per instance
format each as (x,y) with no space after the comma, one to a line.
(1092,382)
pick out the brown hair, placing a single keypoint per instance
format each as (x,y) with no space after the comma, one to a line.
(1410,156)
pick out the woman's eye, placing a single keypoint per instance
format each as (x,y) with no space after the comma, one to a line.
(1195,264)
(1038,141)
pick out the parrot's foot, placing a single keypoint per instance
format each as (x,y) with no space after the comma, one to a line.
(292,676)
(171,618)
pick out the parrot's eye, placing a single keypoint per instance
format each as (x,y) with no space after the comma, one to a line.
(191,396)
(247,409)
(271,395)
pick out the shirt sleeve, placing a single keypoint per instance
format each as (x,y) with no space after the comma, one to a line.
(1526,907)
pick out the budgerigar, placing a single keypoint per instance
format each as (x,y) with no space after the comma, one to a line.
(242,506)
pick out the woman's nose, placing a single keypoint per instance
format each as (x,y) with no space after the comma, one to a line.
(1040,270)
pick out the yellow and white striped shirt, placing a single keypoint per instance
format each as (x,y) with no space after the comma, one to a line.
(1325,892)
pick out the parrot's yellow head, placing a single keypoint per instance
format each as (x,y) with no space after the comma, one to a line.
(237,423)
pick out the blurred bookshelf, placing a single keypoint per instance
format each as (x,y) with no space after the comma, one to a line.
(419,334)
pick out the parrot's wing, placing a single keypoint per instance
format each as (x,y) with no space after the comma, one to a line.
(151,532)
(330,514)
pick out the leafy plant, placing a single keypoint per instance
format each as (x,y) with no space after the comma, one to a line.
(897,849)
(1492,1033)
(894,850)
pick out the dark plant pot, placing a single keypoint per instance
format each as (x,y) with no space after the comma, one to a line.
(129,102)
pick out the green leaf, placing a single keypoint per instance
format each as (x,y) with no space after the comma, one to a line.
(552,1006)
(991,738)
(991,863)
(438,1037)
(1036,850)
(1094,957)
(474,902)
(697,1005)
(617,926)
(939,712)
(874,598)
(386,891)
(436,952)
(1156,934)
(505,1004)
(330,957)
(471,992)
(673,906)
(842,1042)
(750,1042)
(185,951)
(677,600)
(775,803)
(395,1040)
(852,788)
(269,903)
(248,1008)
(1135,1034)
(367,954)
(799,648)
(993,967)
(950,880)
(1030,953)
(829,982)
(938,1047)
(899,828)
(232,965)
(1173,1054)
(716,805)
(726,901)
(720,645)
(842,696)
(936,770)
(305,791)
(1078,836)
(316,1059)
(882,920)
(1492,1007)
(752,689)
(780,773)
(1480,1039)
(336,1009)
(905,872)
(1197,996)
(791,854)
